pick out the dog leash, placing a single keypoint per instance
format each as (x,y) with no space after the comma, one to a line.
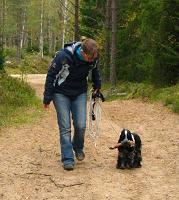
(109,120)
(94,118)
(95,108)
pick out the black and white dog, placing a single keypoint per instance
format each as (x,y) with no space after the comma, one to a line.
(129,150)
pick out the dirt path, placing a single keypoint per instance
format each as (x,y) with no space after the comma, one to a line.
(30,169)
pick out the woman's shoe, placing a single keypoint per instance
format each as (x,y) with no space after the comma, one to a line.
(68,167)
(80,156)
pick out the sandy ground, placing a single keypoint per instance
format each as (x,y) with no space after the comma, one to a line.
(30,167)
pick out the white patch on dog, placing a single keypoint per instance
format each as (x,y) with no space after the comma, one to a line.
(125,134)
(132,137)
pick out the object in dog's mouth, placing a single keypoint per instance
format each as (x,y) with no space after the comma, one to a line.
(115,146)
(124,143)
(129,150)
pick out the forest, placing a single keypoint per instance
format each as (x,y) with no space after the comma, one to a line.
(138,44)
(138,39)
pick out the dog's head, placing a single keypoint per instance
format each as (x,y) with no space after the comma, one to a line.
(126,138)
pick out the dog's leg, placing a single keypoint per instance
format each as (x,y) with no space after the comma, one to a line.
(138,148)
(139,156)
(137,159)
(131,159)
(120,161)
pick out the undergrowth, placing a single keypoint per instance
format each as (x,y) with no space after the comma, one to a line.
(18,102)
(168,96)
(30,64)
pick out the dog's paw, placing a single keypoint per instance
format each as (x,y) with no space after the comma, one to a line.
(117,166)
(120,166)
(137,165)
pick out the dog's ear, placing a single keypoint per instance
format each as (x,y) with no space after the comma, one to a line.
(123,131)
(129,135)
(122,136)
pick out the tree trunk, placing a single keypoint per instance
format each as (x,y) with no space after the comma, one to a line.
(113,43)
(18,35)
(2,23)
(49,36)
(54,42)
(41,30)
(76,20)
(64,22)
(107,40)
(23,28)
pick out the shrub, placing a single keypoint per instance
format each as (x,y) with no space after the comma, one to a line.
(16,98)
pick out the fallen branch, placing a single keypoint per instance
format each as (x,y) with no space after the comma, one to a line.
(36,164)
(32,173)
(64,185)
(40,174)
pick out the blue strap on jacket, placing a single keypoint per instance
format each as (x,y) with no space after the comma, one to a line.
(78,52)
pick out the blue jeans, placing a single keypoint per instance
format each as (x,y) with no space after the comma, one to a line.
(65,108)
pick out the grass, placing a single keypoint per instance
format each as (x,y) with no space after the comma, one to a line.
(19,103)
(168,96)
(30,63)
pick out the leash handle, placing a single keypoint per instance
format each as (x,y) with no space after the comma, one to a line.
(97,94)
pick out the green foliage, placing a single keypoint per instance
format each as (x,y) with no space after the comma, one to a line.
(92,17)
(15,92)
(18,101)
(147,35)
(23,21)
(2,58)
(31,48)
(136,37)
(31,63)
(175,106)
(147,39)
(10,52)
(168,96)
(167,56)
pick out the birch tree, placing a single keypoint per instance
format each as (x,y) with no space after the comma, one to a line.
(19,32)
(41,29)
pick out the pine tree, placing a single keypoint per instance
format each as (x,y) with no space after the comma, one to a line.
(92,17)
(166,69)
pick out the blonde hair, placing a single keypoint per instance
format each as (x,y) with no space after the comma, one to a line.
(82,38)
(89,46)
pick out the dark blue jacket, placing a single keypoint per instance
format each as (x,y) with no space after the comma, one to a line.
(68,74)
